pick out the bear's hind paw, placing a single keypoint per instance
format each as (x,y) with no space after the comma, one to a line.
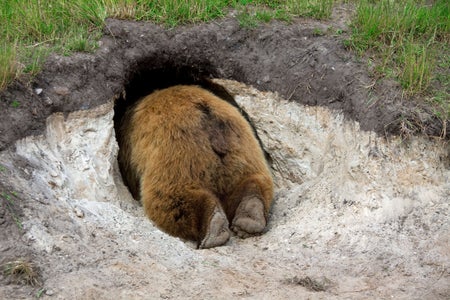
(217,233)
(249,218)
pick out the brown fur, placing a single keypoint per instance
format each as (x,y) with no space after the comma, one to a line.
(195,164)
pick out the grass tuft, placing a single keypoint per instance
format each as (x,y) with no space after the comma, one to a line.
(9,201)
(318,9)
(22,272)
(8,64)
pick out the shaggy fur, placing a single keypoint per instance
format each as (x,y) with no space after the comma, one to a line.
(195,164)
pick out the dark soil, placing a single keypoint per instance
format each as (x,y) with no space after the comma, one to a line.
(137,57)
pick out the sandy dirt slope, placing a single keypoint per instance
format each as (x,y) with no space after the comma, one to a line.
(356,216)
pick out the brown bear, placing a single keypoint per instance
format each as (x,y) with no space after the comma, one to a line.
(195,164)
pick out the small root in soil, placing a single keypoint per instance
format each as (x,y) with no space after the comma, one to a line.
(310,283)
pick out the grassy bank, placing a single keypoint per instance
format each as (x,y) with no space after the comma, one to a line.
(30,29)
(405,39)
(409,41)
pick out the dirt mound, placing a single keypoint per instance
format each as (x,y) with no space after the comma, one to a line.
(293,60)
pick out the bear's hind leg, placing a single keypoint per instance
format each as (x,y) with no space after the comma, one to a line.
(192,214)
(249,205)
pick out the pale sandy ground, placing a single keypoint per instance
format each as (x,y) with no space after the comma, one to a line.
(356,216)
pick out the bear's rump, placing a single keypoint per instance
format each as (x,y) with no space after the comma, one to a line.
(187,136)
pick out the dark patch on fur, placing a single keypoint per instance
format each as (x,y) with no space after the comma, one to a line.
(177,205)
(204,108)
(217,129)
(223,94)
(158,194)
(178,216)
(218,138)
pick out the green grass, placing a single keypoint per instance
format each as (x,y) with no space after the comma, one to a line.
(8,63)
(315,9)
(171,13)
(265,11)
(407,39)
(9,203)
(31,29)
(15,104)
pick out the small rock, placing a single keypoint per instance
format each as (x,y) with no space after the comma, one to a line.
(49,292)
(48,101)
(78,212)
(38,91)
(61,90)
